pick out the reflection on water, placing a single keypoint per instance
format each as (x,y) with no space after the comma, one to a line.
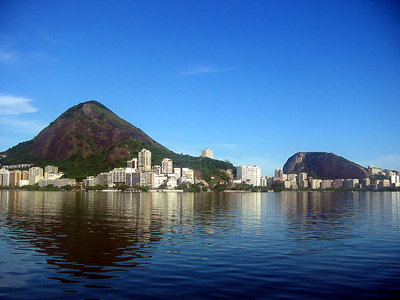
(237,244)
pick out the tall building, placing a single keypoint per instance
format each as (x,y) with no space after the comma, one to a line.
(159,179)
(118,176)
(25,175)
(279,173)
(263,181)
(167,166)
(249,174)
(132,163)
(156,169)
(35,174)
(373,170)
(15,177)
(142,179)
(315,183)
(207,153)
(394,178)
(51,169)
(326,184)
(303,182)
(351,183)
(4,177)
(106,178)
(177,172)
(187,175)
(338,183)
(144,160)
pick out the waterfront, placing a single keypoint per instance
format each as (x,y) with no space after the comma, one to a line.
(257,245)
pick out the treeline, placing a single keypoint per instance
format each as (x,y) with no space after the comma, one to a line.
(35,187)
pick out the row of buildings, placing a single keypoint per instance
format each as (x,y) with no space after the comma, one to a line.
(140,172)
(251,174)
(34,175)
(303,181)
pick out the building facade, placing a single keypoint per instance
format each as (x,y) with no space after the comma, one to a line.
(249,174)
(144,160)
(132,163)
(207,153)
(167,166)
(35,174)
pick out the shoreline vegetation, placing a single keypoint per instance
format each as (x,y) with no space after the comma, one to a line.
(194,188)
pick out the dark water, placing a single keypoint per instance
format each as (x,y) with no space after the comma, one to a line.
(244,245)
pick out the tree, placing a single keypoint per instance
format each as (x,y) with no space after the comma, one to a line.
(67,187)
(142,188)
(219,187)
(195,188)
(122,187)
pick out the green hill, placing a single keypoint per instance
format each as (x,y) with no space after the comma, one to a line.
(89,138)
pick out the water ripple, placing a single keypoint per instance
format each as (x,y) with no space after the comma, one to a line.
(253,245)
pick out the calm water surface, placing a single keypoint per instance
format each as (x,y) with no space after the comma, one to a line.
(183,245)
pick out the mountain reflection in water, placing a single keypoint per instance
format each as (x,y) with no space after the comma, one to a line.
(235,244)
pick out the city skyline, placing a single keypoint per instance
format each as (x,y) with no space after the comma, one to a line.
(254,82)
(140,174)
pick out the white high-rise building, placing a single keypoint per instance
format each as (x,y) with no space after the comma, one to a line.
(394,179)
(119,176)
(132,163)
(4,177)
(249,174)
(207,153)
(177,172)
(263,181)
(156,169)
(144,160)
(35,174)
(159,179)
(167,166)
(187,175)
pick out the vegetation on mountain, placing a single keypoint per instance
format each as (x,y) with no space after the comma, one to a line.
(89,138)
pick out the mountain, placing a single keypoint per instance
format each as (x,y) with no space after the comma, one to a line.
(89,138)
(323,165)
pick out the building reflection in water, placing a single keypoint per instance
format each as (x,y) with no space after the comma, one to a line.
(95,235)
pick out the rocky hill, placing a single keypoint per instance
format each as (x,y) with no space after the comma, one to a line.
(323,165)
(89,138)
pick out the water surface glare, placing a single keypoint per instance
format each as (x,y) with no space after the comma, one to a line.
(204,245)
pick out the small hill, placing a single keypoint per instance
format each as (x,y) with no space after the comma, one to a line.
(89,138)
(323,165)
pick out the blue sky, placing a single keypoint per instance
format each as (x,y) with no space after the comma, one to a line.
(256,81)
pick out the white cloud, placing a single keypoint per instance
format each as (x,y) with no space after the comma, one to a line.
(14,127)
(14,105)
(203,69)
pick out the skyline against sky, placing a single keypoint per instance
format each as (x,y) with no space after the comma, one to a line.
(255,82)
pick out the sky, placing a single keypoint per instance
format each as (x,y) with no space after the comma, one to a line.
(255,81)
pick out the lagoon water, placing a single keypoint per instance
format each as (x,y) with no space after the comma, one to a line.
(184,245)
